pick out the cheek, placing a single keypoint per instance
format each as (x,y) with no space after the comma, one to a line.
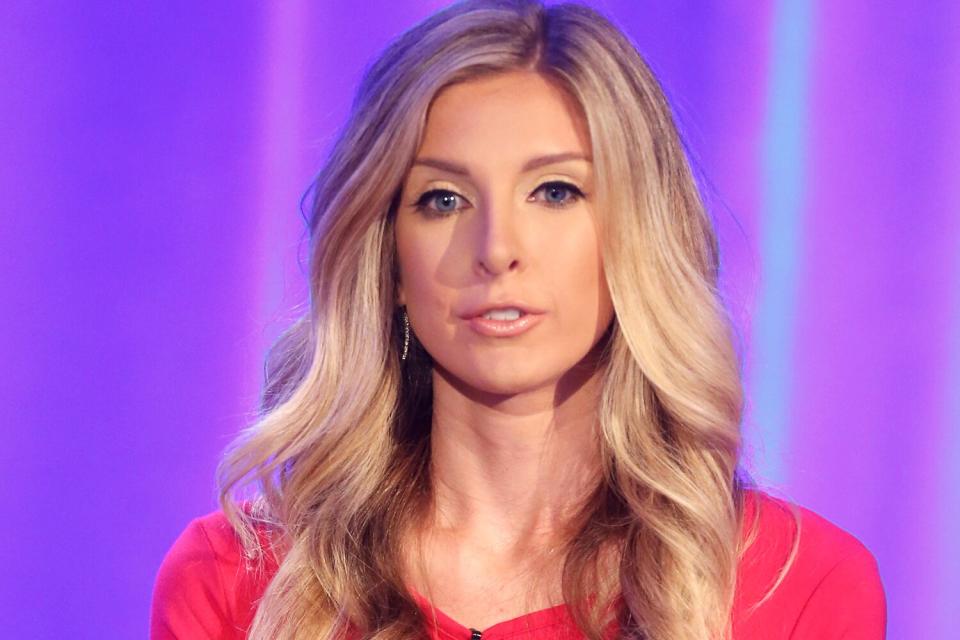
(574,266)
(419,256)
(410,262)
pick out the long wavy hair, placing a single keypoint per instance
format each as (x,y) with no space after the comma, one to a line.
(337,466)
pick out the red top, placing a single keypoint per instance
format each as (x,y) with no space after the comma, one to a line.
(833,589)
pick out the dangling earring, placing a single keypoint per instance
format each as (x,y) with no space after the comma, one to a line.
(406,335)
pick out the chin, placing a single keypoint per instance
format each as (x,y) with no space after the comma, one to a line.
(505,379)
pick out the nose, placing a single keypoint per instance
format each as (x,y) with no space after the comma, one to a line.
(498,242)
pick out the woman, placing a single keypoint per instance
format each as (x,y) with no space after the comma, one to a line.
(513,409)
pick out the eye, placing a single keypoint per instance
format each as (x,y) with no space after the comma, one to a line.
(559,194)
(443,198)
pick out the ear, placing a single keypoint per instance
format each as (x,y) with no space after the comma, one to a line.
(401,296)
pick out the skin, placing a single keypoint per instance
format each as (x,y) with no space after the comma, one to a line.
(514,424)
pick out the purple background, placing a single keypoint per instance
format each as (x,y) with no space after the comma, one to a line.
(153,157)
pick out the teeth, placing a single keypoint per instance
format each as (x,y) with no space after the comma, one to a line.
(502,314)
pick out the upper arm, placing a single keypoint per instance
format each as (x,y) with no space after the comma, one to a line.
(189,596)
(848,603)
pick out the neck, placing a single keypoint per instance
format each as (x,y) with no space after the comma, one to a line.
(509,471)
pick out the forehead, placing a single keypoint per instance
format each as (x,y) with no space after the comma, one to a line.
(508,116)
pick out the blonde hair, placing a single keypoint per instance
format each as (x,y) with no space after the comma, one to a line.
(337,466)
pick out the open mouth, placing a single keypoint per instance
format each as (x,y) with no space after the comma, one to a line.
(504,323)
(506,315)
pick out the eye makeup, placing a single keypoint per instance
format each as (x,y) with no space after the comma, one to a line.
(573,195)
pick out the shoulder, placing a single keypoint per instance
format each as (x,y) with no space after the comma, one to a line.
(204,586)
(831,586)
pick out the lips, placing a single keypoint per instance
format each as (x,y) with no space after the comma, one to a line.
(504,328)
(530,316)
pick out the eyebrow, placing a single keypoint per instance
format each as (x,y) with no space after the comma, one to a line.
(530,165)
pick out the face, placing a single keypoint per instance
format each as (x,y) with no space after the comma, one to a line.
(496,214)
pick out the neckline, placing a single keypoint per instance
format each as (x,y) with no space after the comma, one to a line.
(451,628)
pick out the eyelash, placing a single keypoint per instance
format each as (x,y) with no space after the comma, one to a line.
(421,203)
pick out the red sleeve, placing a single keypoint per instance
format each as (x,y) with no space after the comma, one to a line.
(202,591)
(849,602)
(832,590)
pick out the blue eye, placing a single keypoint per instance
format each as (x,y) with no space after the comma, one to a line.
(444,199)
(558,195)
(555,192)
